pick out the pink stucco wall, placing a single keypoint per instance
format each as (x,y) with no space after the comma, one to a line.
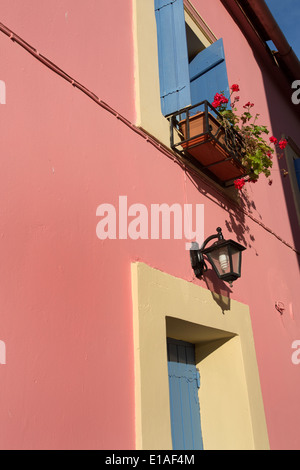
(65,296)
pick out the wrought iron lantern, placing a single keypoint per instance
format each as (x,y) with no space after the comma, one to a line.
(225,256)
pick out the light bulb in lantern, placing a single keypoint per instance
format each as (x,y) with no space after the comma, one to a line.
(224,261)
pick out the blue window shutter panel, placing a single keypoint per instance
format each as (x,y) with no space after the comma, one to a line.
(184,402)
(208,74)
(172,56)
(297,170)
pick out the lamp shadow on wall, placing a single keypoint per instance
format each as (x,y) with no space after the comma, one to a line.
(220,292)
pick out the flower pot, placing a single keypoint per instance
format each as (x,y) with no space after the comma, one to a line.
(206,142)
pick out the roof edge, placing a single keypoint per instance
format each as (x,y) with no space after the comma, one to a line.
(265,25)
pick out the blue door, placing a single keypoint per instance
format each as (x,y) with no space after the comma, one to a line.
(184,381)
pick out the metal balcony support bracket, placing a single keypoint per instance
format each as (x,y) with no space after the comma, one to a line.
(197,260)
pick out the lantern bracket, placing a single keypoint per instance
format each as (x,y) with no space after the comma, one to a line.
(197,260)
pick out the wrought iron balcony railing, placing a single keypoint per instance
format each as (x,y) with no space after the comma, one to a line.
(201,135)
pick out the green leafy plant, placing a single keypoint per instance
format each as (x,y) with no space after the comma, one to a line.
(256,152)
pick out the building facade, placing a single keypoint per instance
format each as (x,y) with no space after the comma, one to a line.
(108,339)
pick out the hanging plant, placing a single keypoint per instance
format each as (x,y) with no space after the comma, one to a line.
(257,151)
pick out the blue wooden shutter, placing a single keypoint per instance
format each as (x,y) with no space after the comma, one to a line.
(172,56)
(297,170)
(208,74)
(184,381)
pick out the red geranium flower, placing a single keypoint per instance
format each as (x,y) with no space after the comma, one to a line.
(239,183)
(248,105)
(235,87)
(273,140)
(218,100)
(283,143)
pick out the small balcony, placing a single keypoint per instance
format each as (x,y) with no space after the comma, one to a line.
(199,135)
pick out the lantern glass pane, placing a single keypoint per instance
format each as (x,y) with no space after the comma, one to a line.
(236,263)
(220,258)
